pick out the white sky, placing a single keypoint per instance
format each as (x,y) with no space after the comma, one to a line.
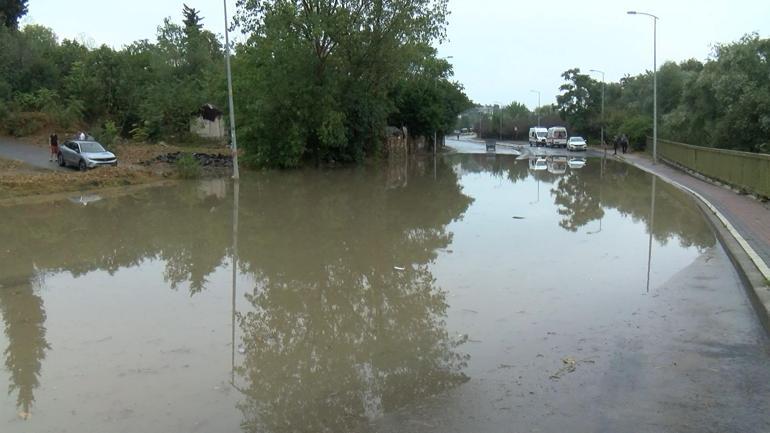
(501,49)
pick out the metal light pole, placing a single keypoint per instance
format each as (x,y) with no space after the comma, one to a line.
(538,105)
(601,72)
(654,83)
(435,87)
(233,144)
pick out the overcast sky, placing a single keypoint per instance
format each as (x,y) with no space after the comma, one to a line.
(501,49)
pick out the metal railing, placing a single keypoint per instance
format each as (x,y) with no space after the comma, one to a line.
(745,170)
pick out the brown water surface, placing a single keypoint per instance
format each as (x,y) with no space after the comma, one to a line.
(470,293)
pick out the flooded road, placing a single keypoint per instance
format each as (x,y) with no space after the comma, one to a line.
(470,293)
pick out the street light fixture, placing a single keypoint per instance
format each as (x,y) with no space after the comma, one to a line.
(654,82)
(601,72)
(538,105)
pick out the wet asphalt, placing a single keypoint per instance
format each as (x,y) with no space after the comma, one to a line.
(35,156)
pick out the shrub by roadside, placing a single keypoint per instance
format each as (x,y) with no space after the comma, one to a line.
(187,167)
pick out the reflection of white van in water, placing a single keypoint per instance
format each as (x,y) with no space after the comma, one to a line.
(557,137)
(537,136)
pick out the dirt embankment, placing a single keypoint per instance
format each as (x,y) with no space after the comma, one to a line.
(138,164)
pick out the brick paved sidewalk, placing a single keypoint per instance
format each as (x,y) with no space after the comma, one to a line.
(749,216)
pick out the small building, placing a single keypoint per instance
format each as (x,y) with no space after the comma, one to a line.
(207,122)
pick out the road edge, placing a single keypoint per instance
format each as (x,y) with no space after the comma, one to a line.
(753,271)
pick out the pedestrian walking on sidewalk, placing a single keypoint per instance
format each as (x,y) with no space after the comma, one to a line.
(615,144)
(53,141)
(624,143)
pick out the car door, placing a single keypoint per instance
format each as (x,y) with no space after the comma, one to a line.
(65,150)
(72,155)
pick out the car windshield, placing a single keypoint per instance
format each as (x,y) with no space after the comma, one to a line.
(90,147)
(541,134)
(576,139)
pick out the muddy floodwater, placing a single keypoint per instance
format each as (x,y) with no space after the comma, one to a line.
(471,293)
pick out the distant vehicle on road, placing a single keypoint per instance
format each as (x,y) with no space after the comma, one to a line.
(557,137)
(464,130)
(576,143)
(85,154)
(537,136)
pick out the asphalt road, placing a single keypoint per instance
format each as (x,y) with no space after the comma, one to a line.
(36,156)
(473,145)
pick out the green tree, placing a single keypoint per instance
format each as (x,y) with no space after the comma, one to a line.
(580,101)
(11,11)
(325,72)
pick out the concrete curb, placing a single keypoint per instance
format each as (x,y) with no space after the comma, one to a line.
(754,272)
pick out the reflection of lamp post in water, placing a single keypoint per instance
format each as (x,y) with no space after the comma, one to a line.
(601,182)
(236,205)
(538,193)
(652,227)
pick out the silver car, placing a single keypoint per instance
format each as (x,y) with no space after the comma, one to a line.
(85,154)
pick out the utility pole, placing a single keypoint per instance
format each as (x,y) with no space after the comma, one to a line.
(601,72)
(538,105)
(654,83)
(233,142)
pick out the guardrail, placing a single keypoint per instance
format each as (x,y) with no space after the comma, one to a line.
(748,171)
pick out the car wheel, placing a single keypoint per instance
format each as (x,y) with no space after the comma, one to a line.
(115,164)
(82,165)
(60,160)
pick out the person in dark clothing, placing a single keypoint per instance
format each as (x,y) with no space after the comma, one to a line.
(615,144)
(624,143)
(53,141)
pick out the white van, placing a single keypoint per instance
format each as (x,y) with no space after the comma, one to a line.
(537,136)
(557,137)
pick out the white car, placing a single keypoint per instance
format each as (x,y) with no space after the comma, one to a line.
(576,143)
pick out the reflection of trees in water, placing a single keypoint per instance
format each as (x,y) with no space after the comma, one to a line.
(24,317)
(578,196)
(583,195)
(188,232)
(337,334)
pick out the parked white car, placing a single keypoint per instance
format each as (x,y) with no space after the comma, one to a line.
(576,143)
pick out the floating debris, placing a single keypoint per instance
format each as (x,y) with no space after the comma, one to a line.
(399,268)
(570,365)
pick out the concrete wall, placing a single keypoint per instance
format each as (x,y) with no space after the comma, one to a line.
(207,129)
(749,171)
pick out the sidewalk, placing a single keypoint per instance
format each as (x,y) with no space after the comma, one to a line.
(749,217)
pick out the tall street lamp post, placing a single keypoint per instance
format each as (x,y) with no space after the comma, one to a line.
(435,87)
(233,144)
(601,72)
(654,82)
(538,105)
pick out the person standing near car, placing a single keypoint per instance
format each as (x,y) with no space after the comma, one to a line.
(624,142)
(53,141)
